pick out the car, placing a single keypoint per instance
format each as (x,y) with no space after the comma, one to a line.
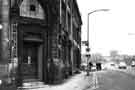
(110,65)
(93,68)
(122,65)
(133,64)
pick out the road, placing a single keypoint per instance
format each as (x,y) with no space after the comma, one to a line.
(113,80)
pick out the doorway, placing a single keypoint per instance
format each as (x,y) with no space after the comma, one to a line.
(32,58)
(31,51)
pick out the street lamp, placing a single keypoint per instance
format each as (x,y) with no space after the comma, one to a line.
(88,48)
(98,10)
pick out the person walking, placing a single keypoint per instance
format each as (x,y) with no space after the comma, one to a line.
(90,65)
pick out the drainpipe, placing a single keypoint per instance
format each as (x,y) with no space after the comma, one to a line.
(72,35)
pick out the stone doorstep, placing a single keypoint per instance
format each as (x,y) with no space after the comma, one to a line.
(32,85)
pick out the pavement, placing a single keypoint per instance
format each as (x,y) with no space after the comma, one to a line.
(91,82)
(77,82)
(131,70)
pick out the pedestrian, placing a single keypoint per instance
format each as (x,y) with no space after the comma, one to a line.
(90,65)
(98,66)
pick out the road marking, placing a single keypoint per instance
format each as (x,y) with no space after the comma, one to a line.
(95,82)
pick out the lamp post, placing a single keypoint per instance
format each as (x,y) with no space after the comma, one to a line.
(88,48)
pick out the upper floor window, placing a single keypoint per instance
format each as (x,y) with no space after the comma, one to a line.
(32,8)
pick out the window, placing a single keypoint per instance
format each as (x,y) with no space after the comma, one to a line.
(32,7)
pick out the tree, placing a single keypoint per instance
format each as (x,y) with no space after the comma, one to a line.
(127,59)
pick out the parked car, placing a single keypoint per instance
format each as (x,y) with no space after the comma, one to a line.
(133,64)
(93,68)
(122,65)
(110,65)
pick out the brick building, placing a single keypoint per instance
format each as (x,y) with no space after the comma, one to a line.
(34,32)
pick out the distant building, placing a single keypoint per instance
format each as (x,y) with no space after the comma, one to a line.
(113,53)
(36,31)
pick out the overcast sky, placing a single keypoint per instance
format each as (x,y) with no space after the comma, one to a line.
(111,30)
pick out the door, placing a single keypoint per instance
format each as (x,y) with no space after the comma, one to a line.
(30,60)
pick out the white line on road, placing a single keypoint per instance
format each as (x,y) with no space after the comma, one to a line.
(95,82)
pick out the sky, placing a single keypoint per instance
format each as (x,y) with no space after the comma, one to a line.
(110,30)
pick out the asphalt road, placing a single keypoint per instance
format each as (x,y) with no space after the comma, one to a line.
(113,80)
